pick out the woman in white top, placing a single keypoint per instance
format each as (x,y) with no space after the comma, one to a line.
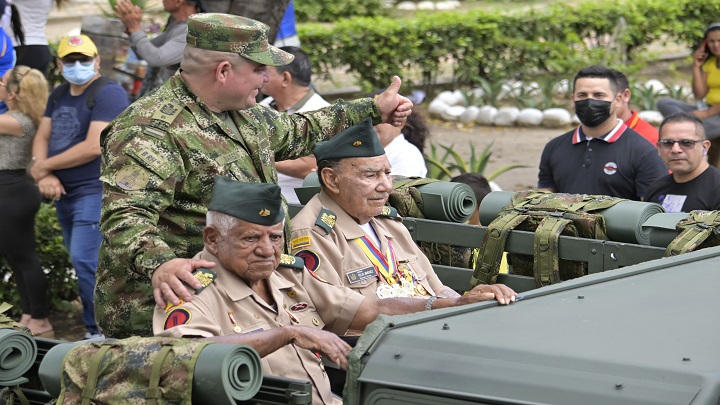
(34,51)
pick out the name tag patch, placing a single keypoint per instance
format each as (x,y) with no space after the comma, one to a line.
(362,274)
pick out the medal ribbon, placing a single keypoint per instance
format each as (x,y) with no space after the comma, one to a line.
(385,264)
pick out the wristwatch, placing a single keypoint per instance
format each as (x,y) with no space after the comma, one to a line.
(429,303)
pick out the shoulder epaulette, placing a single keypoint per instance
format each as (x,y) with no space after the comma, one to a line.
(205,277)
(326,220)
(292,261)
(389,212)
(166,113)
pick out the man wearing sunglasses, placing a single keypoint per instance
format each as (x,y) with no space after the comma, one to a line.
(66,155)
(694,183)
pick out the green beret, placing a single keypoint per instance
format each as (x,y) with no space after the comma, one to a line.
(258,203)
(360,140)
(232,33)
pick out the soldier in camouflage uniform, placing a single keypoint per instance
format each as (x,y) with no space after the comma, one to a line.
(161,154)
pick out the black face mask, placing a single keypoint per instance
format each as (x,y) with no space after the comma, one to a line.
(592,112)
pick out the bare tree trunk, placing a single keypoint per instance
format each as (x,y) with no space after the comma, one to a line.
(268,11)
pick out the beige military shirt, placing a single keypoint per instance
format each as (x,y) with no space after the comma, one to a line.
(335,256)
(229,306)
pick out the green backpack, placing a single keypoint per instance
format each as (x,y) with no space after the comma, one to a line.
(136,370)
(548,215)
(700,230)
(408,202)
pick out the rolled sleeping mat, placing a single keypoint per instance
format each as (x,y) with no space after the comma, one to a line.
(18,351)
(51,368)
(492,204)
(447,201)
(310,187)
(623,221)
(232,370)
(662,228)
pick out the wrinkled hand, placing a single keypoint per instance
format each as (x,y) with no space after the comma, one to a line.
(483,292)
(50,187)
(168,278)
(394,108)
(38,170)
(129,14)
(327,343)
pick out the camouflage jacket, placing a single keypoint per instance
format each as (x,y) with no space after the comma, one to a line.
(159,160)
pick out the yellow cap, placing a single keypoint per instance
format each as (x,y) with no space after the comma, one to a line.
(77,44)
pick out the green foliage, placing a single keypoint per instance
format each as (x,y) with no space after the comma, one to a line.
(678,92)
(440,167)
(54,259)
(333,10)
(497,46)
(646,96)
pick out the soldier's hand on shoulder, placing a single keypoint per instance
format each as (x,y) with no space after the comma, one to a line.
(394,108)
(327,343)
(169,278)
(484,292)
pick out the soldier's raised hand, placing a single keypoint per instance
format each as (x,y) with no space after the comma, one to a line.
(394,108)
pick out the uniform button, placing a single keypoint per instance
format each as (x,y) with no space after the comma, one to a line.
(257,316)
(363,282)
(285,306)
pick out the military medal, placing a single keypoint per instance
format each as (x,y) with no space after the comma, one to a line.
(385,291)
(407,287)
(236,327)
(420,289)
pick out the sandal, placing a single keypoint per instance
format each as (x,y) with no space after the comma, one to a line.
(48,334)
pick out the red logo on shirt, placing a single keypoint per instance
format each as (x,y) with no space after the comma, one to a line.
(177,317)
(610,168)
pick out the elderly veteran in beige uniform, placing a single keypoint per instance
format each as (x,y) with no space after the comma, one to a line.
(347,236)
(257,296)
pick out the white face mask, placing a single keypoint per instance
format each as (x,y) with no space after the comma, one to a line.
(78,73)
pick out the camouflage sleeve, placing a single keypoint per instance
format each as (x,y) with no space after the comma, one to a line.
(296,134)
(140,173)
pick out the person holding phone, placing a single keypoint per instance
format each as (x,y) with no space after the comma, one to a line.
(706,86)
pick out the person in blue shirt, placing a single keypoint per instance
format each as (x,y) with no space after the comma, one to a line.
(66,155)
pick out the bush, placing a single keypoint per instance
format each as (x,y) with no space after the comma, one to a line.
(333,10)
(557,40)
(54,259)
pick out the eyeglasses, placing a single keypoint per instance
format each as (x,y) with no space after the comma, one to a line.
(685,144)
(84,60)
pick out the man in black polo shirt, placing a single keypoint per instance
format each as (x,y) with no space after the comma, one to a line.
(602,155)
(693,184)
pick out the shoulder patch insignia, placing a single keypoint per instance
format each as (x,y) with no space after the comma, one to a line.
(311,259)
(389,212)
(300,242)
(169,306)
(205,276)
(326,220)
(167,112)
(291,261)
(177,317)
(132,178)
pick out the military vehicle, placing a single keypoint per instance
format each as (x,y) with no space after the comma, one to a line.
(639,334)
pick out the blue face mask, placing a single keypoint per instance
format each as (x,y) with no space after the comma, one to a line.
(78,73)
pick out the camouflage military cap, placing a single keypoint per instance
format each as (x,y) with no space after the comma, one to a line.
(360,140)
(258,203)
(232,33)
